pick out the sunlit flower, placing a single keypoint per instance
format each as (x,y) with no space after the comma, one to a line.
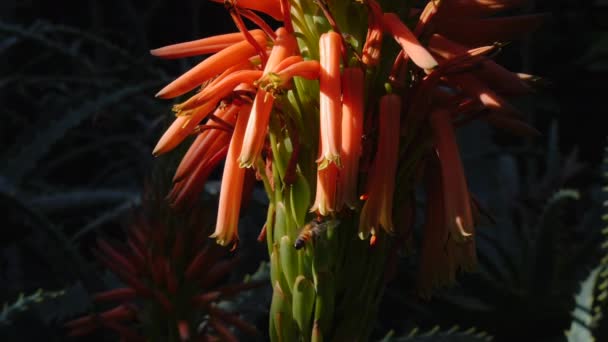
(330,112)
(226,228)
(353,106)
(322,101)
(408,42)
(325,198)
(202,46)
(284,46)
(212,66)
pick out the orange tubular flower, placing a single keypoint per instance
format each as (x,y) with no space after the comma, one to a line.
(211,66)
(307,69)
(329,100)
(285,46)
(203,156)
(198,107)
(378,209)
(222,88)
(499,78)
(352,130)
(183,126)
(408,42)
(441,258)
(226,228)
(429,11)
(172,136)
(477,89)
(467,82)
(186,191)
(203,148)
(204,142)
(457,201)
(274,83)
(325,198)
(256,128)
(287,62)
(202,46)
(373,41)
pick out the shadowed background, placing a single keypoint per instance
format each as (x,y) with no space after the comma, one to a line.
(79,120)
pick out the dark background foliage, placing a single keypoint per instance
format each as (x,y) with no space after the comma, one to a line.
(79,121)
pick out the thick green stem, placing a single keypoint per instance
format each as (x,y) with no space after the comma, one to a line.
(329,290)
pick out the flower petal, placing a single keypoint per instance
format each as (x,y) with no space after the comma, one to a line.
(408,42)
(210,67)
(203,46)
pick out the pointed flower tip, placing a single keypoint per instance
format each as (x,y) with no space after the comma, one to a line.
(162,94)
(163,146)
(157,151)
(154,52)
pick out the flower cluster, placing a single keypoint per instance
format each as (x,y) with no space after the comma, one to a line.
(384,115)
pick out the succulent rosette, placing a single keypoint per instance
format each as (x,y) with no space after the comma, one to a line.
(173,280)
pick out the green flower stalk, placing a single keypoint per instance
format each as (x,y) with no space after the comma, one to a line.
(341,112)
